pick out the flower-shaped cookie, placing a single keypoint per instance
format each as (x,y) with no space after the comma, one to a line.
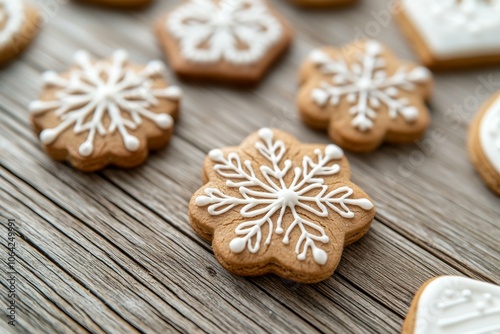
(104,112)
(274,205)
(224,40)
(18,26)
(484,143)
(449,34)
(364,96)
(452,305)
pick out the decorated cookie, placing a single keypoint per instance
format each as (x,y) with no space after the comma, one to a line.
(228,40)
(453,33)
(484,143)
(323,3)
(119,3)
(363,95)
(18,26)
(453,305)
(104,112)
(274,205)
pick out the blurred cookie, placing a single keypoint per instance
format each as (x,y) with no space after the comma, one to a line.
(105,112)
(452,33)
(119,3)
(363,95)
(452,305)
(234,41)
(274,205)
(484,143)
(18,27)
(323,3)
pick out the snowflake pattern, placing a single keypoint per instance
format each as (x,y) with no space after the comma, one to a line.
(267,200)
(472,15)
(98,89)
(237,31)
(367,86)
(12,18)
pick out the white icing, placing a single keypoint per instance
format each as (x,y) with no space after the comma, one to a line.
(96,89)
(451,305)
(367,85)
(237,31)
(457,27)
(270,199)
(489,134)
(12,17)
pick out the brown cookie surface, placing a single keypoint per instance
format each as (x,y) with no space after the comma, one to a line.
(452,34)
(233,41)
(19,24)
(484,143)
(105,112)
(363,95)
(453,304)
(274,205)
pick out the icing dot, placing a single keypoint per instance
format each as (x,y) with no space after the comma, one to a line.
(35,106)
(320,256)
(301,257)
(419,74)
(466,293)
(237,245)
(488,296)
(481,306)
(120,55)
(266,133)
(216,155)
(202,200)
(86,149)
(373,48)
(279,230)
(334,152)
(81,56)
(319,96)
(410,113)
(174,92)
(131,143)
(318,57)
(364,204)
(156,66)
(164,121)
(47,136)
(50,77)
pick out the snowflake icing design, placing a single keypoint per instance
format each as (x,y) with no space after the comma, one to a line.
(238,31)
(267,201)
(367,86)
(12,18)
(472,15)
(100,88)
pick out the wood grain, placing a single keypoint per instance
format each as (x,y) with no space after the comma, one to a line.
(113,252)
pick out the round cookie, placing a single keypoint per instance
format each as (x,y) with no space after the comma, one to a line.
(105,112)
(452,304)
(18,27)
(452,34)
(233,41)
(484,143)
(363,96)
(274,205)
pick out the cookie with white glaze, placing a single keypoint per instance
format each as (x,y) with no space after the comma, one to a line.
(105,112)
(232,41)
(451,305)
(484,143)
(275,205)
(450,34)
(323,3)
(19,24)
(363,96)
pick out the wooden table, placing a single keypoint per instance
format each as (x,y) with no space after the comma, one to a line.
(113,251)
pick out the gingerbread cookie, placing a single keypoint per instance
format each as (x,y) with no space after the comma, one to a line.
(18,27)
(104,112)
(484,143)
(451,305)
(363,95)
(223,40)
(323,3)
(119,3)
(451,34)
(274,205)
